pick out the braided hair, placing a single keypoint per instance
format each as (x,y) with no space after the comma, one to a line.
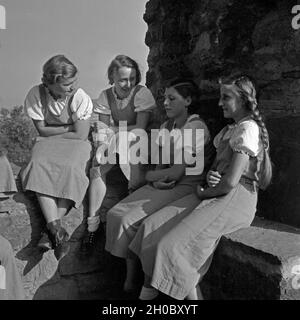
(246,89)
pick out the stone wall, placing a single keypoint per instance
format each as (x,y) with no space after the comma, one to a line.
(206,38)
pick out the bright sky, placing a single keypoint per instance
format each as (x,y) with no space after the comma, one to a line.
(89,32)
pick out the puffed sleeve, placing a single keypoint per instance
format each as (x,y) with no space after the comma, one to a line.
(33,105)
(82,105)
(245,138)
(144,100)
(101,104)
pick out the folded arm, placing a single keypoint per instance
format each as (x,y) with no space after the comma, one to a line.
(171,173)
(174,173)
(79,130)
(142,120)
(45,130)
(228,181)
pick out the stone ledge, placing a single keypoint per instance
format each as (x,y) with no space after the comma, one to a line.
(259,262)
(75,276)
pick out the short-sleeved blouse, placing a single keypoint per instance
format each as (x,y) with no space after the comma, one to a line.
(81,105)
(189,141)
(143,101)
(185,138)
(243,137)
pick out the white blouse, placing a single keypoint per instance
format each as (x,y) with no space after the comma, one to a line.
(143,101)
(81,105)
(243,136)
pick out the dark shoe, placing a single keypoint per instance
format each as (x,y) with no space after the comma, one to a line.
(45,242)
(62,247)
(88,242)
(59,237)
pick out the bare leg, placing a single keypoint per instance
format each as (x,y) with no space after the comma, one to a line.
(96,194)
(63,205)
(49,207)
(195,294)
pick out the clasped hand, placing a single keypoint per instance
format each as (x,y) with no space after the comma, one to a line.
(213,178)
(164,183)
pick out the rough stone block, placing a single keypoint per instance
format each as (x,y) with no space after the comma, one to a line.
(281,201)
(75,275)
(261,262)
(22,226)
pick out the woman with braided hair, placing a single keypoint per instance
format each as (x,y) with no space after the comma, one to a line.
(170,180)
(177,254)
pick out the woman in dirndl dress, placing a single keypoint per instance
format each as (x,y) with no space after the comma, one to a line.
(170,180)
(126,102)
(176,244)
(57,170)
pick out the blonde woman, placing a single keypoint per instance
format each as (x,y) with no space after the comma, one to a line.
(56,171)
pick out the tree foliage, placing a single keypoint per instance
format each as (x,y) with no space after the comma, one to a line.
(17,134)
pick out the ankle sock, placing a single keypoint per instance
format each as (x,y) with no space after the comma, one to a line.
(93,223)
(148,293)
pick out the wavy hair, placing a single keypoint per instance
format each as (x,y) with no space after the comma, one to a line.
(123,61)
(58,68)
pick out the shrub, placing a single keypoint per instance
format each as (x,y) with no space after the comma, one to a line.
(17,134)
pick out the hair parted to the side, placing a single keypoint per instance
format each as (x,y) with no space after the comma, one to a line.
(123,61)
(245,86)
(187,88)
(58,68)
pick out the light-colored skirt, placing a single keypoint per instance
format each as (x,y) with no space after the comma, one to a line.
(11,287)
(176,244)
(124,219)
(7,180)
(58,168)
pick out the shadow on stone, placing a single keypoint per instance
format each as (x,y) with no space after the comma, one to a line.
(31,253)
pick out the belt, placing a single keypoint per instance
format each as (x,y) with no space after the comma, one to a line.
(249,184)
